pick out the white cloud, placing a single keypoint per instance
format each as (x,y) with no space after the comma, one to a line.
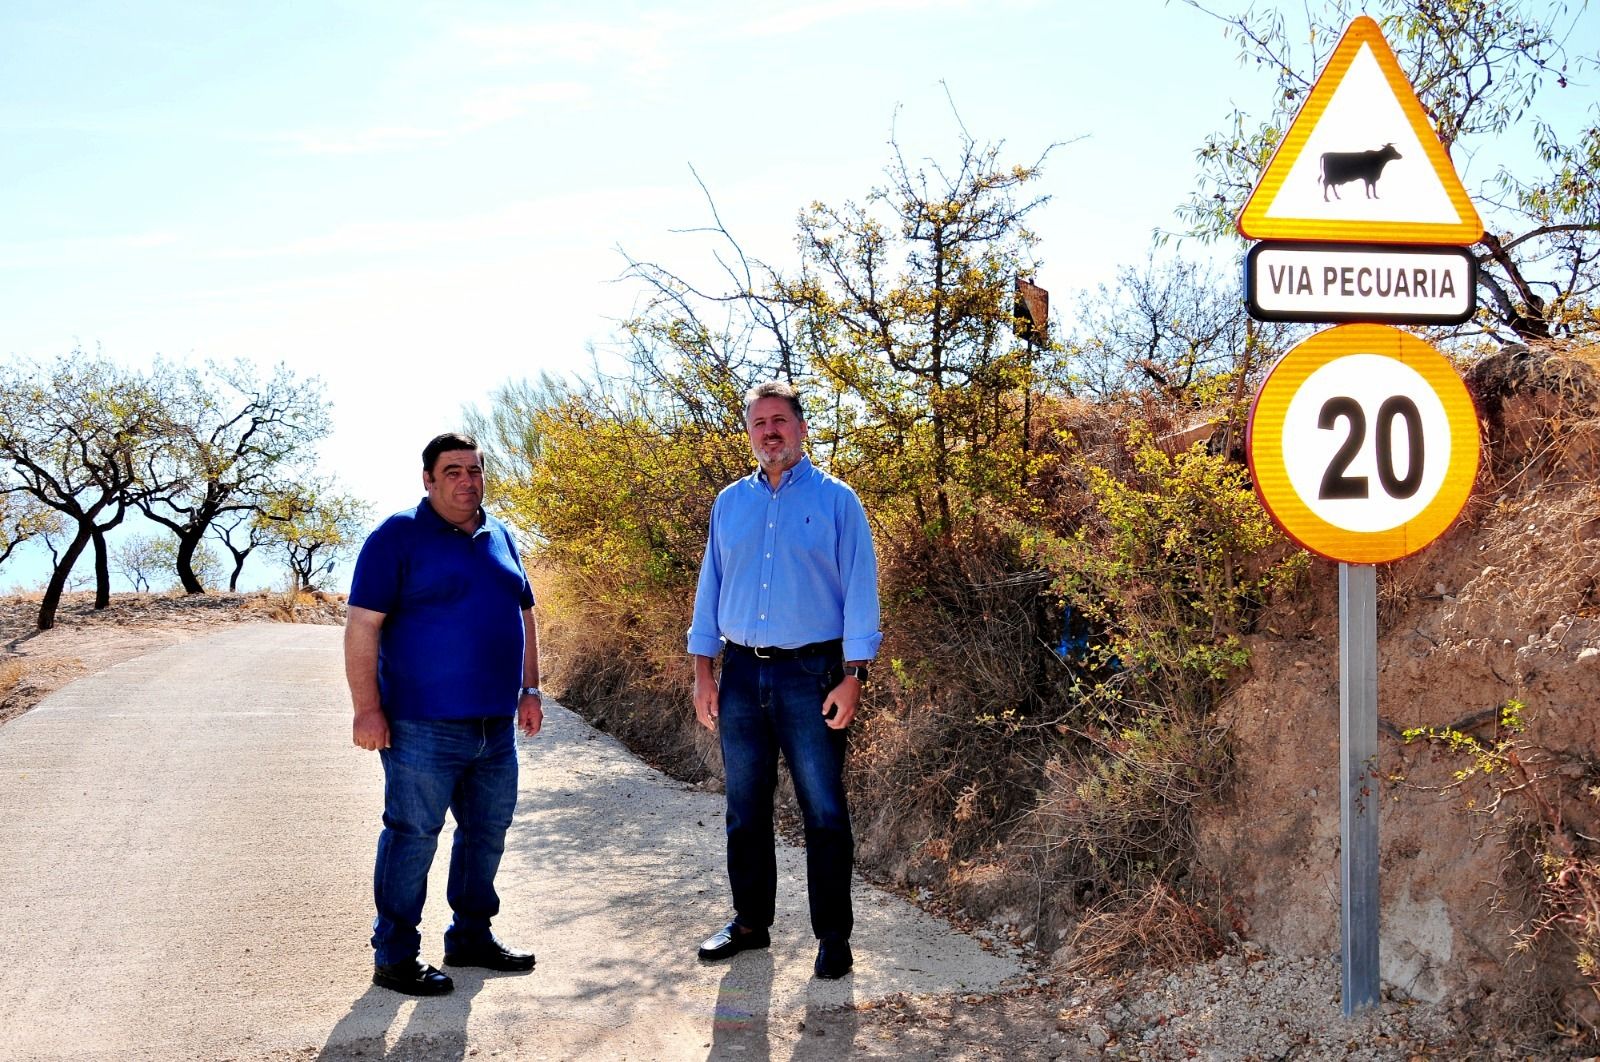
(42,254)
(508,102)
(639,43)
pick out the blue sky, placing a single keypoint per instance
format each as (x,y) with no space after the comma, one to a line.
(419,200)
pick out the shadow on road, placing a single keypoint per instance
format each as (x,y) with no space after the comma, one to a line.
(364,1031)
(829,1031)
(744,1002)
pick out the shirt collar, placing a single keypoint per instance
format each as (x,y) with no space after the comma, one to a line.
(798,472)
(429,515)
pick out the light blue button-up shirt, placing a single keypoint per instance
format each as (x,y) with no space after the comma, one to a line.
(788,567)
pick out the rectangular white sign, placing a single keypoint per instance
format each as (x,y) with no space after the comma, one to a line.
(1360,282)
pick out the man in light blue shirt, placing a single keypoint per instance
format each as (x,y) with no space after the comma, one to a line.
(788,595)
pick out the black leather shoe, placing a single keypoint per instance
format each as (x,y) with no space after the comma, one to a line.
(833,958)
(413,977)
(491,955)
(730,940)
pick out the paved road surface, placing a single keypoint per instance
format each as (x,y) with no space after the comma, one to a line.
(185,856)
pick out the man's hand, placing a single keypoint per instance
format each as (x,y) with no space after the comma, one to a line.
(530,714)
(370,727)
(371,730)
(839,707)
(705,693)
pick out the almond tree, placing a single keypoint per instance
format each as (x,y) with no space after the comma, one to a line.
(79,435)
(234,439)
(313,524)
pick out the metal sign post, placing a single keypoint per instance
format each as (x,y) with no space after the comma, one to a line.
(1358,793)
(1363,446)
(1363,440)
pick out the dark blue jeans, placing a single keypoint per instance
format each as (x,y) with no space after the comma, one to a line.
(764,707)
(470,768)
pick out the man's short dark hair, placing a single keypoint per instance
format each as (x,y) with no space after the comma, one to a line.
(774,389)
(439,444)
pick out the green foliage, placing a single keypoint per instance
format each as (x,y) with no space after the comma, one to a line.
(906,305)
(1175,561)
(312,525)
(24,517)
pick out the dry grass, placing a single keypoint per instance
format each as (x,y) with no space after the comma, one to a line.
(1155,928)
(293,606)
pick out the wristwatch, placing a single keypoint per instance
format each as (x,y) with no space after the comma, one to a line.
(530,691)
(858,671)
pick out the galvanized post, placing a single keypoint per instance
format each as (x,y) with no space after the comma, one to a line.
(1358,785)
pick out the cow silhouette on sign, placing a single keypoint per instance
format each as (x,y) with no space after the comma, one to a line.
(1342,167)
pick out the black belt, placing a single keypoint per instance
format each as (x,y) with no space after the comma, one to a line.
(835,648)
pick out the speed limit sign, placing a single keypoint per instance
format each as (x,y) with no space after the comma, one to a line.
(1363,443)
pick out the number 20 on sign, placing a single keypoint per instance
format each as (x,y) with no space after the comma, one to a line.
(1363,443)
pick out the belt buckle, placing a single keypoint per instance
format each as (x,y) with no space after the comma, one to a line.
(758,653)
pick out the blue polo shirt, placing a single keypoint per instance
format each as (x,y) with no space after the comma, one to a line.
(452,638)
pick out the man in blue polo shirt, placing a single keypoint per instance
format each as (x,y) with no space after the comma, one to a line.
(442,657)
(788,594)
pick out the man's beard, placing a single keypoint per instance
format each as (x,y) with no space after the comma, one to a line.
(783,457)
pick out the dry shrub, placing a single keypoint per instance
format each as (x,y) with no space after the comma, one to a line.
(295,606)
(12,671)
(625,669)
(1541,411)
(1152,928)
(1121,810)
(947,758)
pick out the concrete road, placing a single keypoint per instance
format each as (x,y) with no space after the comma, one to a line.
(186,845)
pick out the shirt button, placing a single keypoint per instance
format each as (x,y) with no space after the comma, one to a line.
(763,615)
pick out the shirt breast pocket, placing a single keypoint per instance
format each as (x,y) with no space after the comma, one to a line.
(815,536)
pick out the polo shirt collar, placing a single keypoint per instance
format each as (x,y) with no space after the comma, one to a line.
(430,516)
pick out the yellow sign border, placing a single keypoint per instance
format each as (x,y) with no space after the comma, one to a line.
(1253,221)
(1264,445)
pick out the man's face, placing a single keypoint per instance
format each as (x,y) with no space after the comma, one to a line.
(777,436)
(455,486)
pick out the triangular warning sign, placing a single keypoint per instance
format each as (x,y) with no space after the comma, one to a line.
(1361,164)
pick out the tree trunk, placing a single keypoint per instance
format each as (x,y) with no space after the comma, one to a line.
(185,563)
(59,577)
(102,571)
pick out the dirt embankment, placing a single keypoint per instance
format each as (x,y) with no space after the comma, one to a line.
(1503,611)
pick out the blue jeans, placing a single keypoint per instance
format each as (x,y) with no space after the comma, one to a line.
(764,707)
(469,767)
